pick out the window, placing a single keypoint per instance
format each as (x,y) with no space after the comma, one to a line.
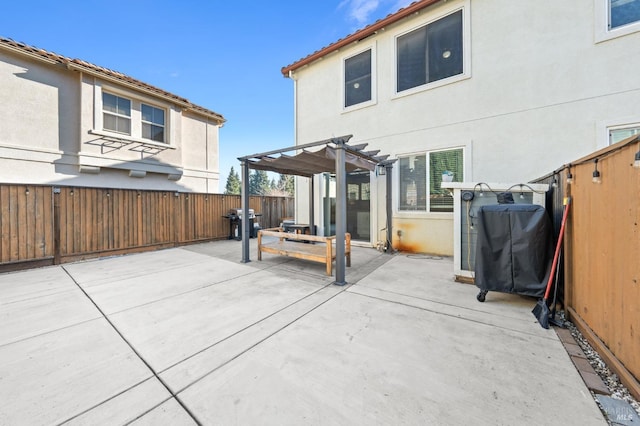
(132,118)
(623,12)
(420,181)
(116,113)
(431,53)
(357,79)
(152,123)
(616,135)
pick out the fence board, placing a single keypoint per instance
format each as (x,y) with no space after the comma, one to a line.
(104,221)
(603,248)
(26,224)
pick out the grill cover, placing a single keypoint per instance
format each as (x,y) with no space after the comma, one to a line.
(514,249)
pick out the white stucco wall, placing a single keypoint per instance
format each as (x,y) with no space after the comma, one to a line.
(538,93)
(48,114)
(39,115)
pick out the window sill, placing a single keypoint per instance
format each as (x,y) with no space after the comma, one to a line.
(359,106)
(430,86)
(414,214)
(141,144)
(603,36)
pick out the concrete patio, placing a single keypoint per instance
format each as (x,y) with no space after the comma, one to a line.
(192,335)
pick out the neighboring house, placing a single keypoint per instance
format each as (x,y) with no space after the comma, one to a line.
(68,122)
(491,90)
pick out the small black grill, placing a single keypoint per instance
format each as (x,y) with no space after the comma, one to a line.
(235,224)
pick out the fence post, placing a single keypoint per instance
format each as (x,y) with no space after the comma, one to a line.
(56,225)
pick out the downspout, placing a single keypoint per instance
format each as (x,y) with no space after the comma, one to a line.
(295,107)
(291,76)
(389,206)
(206,154)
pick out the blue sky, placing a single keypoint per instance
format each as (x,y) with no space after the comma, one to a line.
(223,55)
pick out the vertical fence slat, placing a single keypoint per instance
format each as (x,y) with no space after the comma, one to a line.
(101,221)
(602,247)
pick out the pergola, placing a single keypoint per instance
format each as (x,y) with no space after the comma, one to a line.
(334,156)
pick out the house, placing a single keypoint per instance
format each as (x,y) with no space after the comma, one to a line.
(466,91)
(69,122)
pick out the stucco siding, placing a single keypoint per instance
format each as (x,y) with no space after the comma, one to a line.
(52,130)
(537,91)
(38,105)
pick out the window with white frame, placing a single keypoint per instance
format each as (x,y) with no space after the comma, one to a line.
(619,133)
(133,118)
(152,123)
(116,114)
(430,53)
(357,79)
(623,12)
(421,177)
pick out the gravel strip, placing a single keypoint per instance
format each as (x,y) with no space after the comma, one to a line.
(610,379)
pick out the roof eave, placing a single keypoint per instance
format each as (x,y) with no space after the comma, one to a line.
(181,102)
(359,35)
(108,75)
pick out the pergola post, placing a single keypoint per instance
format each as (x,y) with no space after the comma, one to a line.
(341,211)
(244,165)
(311,206)
(388,173)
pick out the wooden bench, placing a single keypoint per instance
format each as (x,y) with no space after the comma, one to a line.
(317,248)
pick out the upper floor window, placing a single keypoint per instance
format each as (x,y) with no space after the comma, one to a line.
(623,12)
(116,113)
(152,123)
(357,79)
(421,177)
(620,133)
(430,53)
(133,118)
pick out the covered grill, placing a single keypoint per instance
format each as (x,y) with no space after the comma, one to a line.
(235,224)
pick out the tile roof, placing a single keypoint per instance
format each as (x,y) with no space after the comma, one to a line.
(360,34)
(84,66)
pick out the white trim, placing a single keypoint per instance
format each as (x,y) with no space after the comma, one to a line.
(135,118)
(426,214)
(601,24)
(538,194)
(466,51)
(603,128)
(374,85)
(151,123)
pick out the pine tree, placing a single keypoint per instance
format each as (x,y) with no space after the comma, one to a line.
(286,183)
(258,182)
(233,183)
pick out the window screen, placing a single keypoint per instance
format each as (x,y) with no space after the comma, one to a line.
(430,53)
(357,79)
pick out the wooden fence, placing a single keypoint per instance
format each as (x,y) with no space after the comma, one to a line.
(44,225)
(602,254)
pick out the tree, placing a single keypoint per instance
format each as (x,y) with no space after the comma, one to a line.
(258,182)
(287,184)
(283,188)
(233,183)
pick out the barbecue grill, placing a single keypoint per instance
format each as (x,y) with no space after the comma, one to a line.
(235,224)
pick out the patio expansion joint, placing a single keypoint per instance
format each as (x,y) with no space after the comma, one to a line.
(51,331)
(38,296)
(133,349)
(259,342)
(182,293)
(444,313)
(114,396)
